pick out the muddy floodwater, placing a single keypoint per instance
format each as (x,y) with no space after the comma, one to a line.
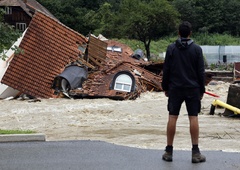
(137,123)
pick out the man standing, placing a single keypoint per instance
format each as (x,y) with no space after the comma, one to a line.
(183,81)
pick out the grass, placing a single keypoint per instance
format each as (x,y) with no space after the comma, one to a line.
(9,132)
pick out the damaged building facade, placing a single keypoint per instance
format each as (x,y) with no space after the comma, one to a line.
(57,60)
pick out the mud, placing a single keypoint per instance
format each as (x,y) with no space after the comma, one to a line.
(137,123)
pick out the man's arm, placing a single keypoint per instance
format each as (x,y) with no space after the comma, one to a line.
(166,70)
(201,72)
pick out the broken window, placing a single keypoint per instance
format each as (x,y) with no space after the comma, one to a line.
(123,83)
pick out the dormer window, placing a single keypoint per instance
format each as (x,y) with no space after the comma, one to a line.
(114,49)
(123,83)
(8,10)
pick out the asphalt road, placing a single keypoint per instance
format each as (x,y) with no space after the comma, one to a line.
(97,155)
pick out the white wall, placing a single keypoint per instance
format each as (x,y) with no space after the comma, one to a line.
(6,91)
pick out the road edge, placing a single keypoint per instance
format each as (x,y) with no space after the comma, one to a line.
(23,137)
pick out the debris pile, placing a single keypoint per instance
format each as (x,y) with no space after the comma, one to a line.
(57,60)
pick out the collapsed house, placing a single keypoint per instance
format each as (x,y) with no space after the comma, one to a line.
(58,60)
(119,75)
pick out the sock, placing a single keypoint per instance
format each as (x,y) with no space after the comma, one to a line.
(195,148)
(169,148)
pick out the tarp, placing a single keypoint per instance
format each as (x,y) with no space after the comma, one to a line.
(71,78)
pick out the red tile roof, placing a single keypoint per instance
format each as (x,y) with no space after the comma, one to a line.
(47,46)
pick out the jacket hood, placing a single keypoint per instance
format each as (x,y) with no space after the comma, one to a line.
(183,43)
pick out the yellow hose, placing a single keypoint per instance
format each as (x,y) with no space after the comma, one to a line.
(227,106)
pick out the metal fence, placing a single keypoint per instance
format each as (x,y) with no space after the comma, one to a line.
(221,54)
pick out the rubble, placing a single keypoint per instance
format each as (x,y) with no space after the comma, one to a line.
(50,48)
(58,61)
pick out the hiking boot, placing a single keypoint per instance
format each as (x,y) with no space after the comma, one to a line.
(167,156)
(198,157)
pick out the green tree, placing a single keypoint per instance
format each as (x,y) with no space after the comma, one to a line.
(231,15)
(211,16)
(104,18)
(8,35)
(186,10)
(76,14)
(146,20)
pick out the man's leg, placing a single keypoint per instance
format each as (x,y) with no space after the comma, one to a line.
(175,100)
(171,129)
(194,131)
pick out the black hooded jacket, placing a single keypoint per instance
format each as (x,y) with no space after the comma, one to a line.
(184,66)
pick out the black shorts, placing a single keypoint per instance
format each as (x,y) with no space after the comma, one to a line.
(191,97)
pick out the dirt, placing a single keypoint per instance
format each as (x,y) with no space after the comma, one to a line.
(136,123)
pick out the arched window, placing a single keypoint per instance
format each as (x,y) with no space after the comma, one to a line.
(123,83)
